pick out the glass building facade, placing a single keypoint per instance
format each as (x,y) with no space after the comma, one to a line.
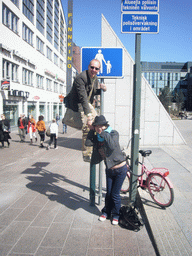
(174,75)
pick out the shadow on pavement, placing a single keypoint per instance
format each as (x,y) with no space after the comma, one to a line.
(71,143)
(150,203)
(141,209)
(44,182)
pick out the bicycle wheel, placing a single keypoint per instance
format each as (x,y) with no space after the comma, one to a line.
(160,190)
(126,184)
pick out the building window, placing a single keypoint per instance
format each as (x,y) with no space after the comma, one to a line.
(48,84)
(27,34)
(28,9)
(40,16)
(55,87)
(10,19)
(39,80)
(56,25)
(161,76)
(14,72)
(27,77)
(61,89)
(10,71)
(62,33)
(49,53)
(40,45)
(50,21)
(61,64)
(168,79)
(16,2)
(176,76)
(56,60)
(153,80)
(6,69)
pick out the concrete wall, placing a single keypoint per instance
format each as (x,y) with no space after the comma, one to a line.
(156,126)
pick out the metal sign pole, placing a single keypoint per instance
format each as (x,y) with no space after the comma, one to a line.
(148,13)
(92,184)
(93,166)
(135,119)
(101,165)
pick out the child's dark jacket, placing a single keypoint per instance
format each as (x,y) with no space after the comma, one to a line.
(113,153)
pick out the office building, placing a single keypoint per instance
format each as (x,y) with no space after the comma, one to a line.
(33,44)
(174,75)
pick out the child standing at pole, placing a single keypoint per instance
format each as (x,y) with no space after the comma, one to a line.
(105,142)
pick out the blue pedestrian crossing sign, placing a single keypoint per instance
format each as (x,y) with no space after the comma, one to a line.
(111,60)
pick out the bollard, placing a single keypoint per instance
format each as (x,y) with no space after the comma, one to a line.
(92,184)
(101,167)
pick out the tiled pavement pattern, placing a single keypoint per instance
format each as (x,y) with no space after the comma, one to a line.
(45,209)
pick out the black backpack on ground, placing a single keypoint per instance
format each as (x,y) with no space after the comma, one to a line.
(130,218)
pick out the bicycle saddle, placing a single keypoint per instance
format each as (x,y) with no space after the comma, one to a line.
(145,152)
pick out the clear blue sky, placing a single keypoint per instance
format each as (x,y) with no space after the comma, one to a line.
(173,43)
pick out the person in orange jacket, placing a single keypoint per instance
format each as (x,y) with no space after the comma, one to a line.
(41,130)
(32,129)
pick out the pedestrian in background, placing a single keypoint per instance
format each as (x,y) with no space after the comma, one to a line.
(54,134)
(26,121)
(84,89)
(1,134)
(64,126)
(41,130)
(22,124)
(32,129)
(5,124)
(105,142)
(57,119)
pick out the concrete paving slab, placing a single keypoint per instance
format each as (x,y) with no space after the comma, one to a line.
(13,232)
(79,238)
(47,209)
(56,235)
(29,241)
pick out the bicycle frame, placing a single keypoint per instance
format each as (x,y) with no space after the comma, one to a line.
(162,171)
(155,181)
(143,180)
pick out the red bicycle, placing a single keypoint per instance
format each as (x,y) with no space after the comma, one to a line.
(155,180)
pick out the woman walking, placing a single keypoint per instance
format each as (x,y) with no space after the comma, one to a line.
(32,129)
(4,131)
(41,130)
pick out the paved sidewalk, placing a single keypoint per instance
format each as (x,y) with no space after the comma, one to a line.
(172,227)
(45,208)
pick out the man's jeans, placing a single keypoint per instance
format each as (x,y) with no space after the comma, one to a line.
(114,180)
(22,134)
(64,128)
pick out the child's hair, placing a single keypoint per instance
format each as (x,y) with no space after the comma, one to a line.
(41,118)
(53,120)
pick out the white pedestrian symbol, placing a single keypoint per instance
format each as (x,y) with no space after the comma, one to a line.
(109,66)
(100,57)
